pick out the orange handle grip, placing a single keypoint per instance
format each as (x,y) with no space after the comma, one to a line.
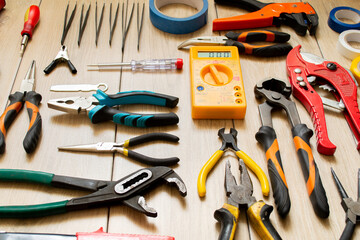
(31,18)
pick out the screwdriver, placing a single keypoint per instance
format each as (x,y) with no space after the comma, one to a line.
(31,18)
(154,64)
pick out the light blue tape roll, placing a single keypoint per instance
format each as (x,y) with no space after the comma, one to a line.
(346,13)
(178,25)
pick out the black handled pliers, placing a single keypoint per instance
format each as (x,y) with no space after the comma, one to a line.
(128,191)
(122,148)
(351,207)
(62,56)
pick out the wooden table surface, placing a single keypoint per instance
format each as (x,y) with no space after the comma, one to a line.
(183,218)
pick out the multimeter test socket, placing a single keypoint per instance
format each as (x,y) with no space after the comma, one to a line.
(217,88)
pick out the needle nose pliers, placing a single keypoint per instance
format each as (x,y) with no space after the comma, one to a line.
(240,196)
(229,143)
(128,191)
(122,148)
(242,42)
(32,100)
(351,207)
(99,107)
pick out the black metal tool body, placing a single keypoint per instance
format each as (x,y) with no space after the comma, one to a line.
(128,191)
(276,94)
(351,207)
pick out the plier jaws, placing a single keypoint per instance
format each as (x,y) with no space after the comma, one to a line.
(73,105)
(203,41)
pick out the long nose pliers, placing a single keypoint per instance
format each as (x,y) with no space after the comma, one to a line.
(128,191)
(99,107)
(123,148)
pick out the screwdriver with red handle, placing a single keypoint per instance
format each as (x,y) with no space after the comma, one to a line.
(31,18)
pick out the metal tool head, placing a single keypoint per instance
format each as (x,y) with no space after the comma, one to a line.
(62,54)
(95,147)
(228,139)
(203,41)
(73,105)
(277,93)
(238,194)
(136,184)
(28,83)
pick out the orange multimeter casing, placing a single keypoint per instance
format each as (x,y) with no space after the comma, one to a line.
(217,88)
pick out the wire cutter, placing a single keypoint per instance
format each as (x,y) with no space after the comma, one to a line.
(229,143)
(240,196)
(62,56)
(128,191)
(306,70)
(300,16)
(122,148)
(277,93)
(32,100)
(240,40)
(351,207)
(99,107)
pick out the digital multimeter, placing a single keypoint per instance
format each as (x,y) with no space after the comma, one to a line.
(217,88)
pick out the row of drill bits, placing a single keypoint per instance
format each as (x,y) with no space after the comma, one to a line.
(126,21)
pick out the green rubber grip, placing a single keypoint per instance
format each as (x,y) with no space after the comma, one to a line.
(32,211)
(26,176)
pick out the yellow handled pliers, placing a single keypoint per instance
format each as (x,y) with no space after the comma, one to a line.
(229,142)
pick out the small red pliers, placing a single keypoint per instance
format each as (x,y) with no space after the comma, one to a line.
(305,70)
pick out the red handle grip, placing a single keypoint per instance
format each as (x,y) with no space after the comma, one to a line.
(31,18)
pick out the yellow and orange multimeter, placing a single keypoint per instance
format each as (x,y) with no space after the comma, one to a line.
(217,88)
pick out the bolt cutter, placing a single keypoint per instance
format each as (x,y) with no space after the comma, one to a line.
(128,191)
(99,107)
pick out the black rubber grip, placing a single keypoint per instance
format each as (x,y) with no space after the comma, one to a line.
(259,36)
(297,21)
(153,161)
(250,5)
(227,221)
(72,67)
(32,101)
(302,134)
(264,215)
(348,231)
(50,67)
(106,113)
(10,113)
(267,137)
(152,137)
(281,49)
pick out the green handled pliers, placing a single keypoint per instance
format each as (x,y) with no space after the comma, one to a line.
(128,191)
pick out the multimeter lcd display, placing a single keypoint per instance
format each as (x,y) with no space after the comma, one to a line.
(202,54)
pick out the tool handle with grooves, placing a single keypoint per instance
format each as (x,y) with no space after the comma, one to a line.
(227,216)
(103,113)
(267,50)
(301,135)
(259,214)
(348,231)
(267,137)
(10,113)
(32,101)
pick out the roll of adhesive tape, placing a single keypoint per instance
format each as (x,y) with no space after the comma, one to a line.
(343,45)
(178,25)
(355,69)
(344,13)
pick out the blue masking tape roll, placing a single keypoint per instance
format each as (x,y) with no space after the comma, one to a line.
(345,13)
(178,25)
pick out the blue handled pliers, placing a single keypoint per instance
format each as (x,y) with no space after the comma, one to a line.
(99,107)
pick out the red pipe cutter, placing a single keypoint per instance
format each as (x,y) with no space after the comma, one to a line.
(304,71)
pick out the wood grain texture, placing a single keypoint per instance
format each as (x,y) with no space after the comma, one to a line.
(183,218)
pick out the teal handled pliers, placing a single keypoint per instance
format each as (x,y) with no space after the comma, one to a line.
(128,191)
(99,107)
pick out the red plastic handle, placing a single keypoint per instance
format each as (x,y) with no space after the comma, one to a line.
(31,18)
(101,235)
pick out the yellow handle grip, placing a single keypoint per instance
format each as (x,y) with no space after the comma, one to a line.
(201,183)
(258,214)
(265,187)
